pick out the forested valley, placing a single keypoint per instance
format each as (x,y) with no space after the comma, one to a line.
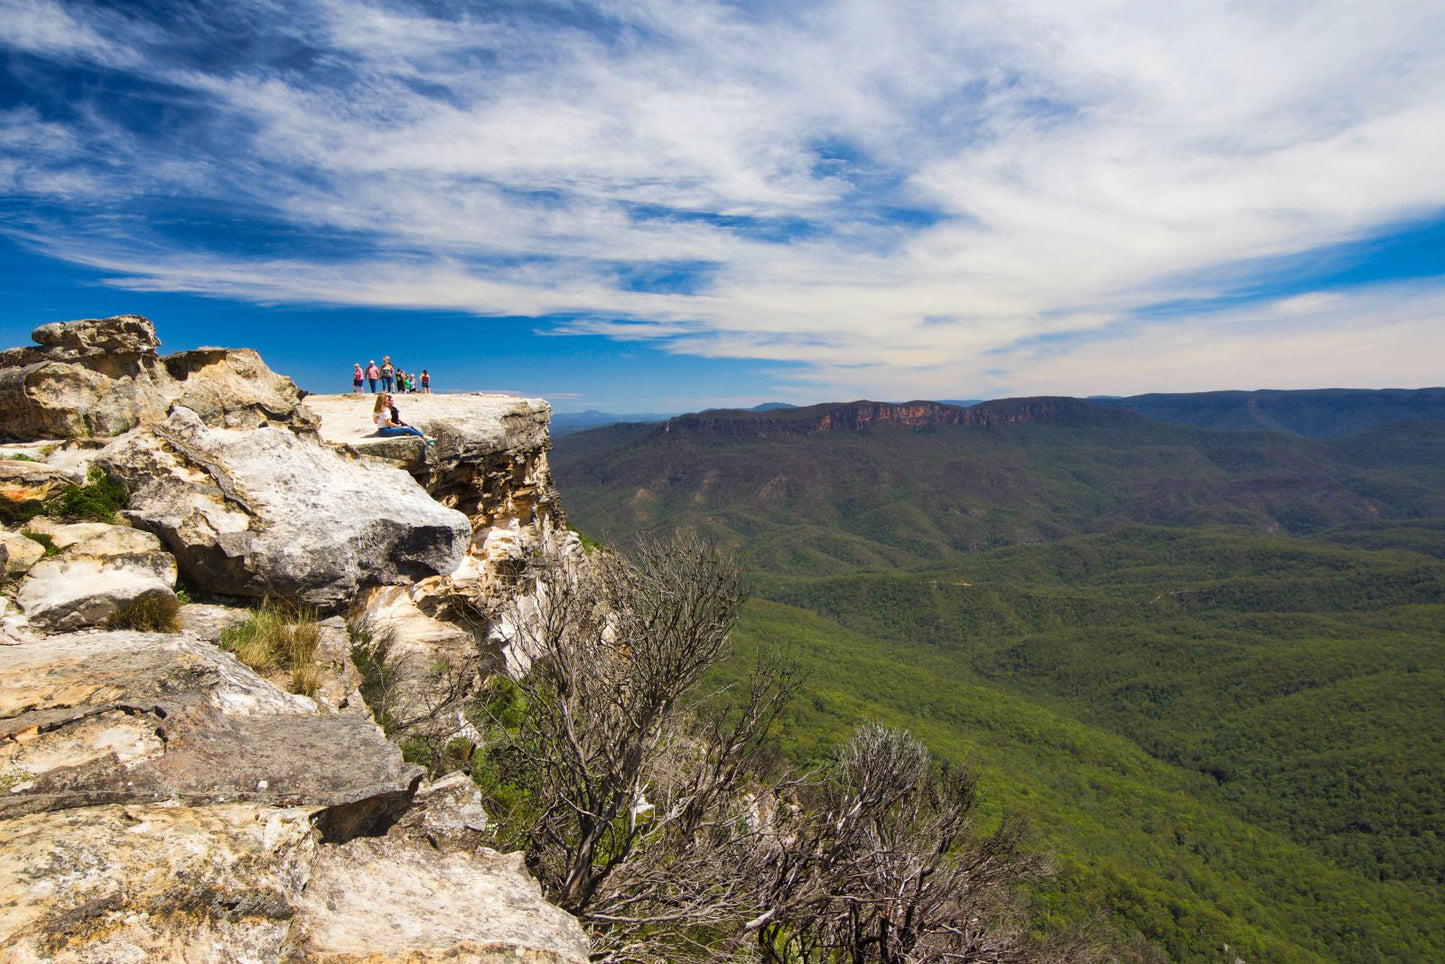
(1204,666)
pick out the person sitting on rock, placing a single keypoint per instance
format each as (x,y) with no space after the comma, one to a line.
(388,421)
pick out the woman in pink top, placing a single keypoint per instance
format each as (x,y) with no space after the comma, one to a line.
(356,380)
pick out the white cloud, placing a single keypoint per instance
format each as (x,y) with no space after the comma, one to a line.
(1087,159)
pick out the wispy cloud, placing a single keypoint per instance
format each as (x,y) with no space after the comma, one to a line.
(963,198)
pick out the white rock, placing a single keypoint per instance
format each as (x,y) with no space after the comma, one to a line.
(62,593)
(144,883)
(21,552)
(264,512)
(383,899)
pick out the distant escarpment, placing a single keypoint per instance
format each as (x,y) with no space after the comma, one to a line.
(207,606)
(864,415)
(1325,413)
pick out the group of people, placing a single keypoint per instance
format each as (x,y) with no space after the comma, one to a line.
(384,413)
(392,378)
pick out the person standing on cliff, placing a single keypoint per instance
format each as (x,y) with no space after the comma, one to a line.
(356,379)
(388,374)
(372,374)
(425,382)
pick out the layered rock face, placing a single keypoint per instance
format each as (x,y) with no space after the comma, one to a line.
(101,377)
(489,462)
(160,800)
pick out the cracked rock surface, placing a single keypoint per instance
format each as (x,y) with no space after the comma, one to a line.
(131,717)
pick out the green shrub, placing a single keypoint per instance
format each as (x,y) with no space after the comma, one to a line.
(99,500)
(20,457)
(152,614)
(48,543)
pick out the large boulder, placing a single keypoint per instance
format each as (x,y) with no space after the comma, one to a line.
(429,891)
(265,512)
(120,335)
(233,388)
(102,377)
(101,571)
(127,717)
(21,552)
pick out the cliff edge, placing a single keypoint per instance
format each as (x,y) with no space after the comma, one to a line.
(161,799)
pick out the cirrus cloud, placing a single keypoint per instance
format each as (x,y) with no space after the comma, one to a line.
(967,199)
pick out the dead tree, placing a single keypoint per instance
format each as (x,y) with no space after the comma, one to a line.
(876,862)
(634,821)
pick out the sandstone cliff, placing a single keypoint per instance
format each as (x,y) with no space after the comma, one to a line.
(161,800)
(866,415)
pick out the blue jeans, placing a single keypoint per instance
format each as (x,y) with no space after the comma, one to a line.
(386,384)
(392,431)
(373,385)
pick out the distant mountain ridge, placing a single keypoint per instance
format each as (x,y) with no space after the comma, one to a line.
(1308,413)
(1312,413)
(863,414)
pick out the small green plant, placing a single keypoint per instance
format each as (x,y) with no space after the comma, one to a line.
(149,614)
(13,777)
(20,457)
(17,513)
(45,541)
(279,636)
(99,500)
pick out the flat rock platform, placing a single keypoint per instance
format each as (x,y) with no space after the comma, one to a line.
(472,418)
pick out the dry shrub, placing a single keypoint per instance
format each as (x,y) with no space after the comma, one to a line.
(149,614)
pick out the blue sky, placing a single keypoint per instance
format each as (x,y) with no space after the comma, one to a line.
(656,205)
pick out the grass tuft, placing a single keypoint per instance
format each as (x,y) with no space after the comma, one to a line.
(151,614)
(51,549)
(279,636)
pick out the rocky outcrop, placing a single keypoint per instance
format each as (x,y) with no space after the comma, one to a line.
(101,377)
(266,512)
(161,801)
(100,572)
(490,462)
